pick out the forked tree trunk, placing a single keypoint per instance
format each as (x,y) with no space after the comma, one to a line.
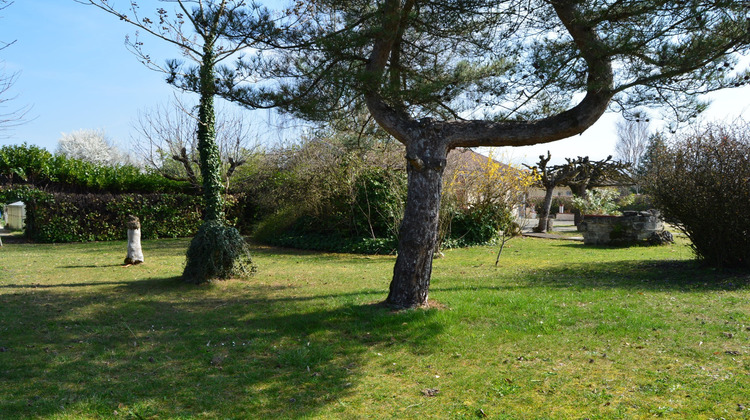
(419,228)
(427,141)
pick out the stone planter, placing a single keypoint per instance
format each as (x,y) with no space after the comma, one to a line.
(630,228)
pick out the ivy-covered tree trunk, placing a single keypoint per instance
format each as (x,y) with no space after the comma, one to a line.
(217,251)
(419,227)
(207,148)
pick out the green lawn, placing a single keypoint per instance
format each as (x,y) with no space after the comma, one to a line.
(558,330)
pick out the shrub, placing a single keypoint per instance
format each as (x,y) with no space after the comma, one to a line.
(638,202)
(217,252)
(324,195)
(599,202)
(36,166)
(701,183)
(476,225)
(60,217)
(478,198)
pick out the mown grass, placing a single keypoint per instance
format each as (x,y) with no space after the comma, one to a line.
(558,330)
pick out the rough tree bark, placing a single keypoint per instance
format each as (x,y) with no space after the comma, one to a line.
(428,141)
(135,253)
(419,227)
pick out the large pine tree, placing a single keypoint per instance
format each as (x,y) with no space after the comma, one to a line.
(437,75)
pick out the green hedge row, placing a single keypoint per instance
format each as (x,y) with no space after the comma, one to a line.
(328,243)
(60,217)
(36,166)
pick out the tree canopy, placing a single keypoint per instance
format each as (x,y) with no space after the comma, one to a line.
(467,73)
(489,65)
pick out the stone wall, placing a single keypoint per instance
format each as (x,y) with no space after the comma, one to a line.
(631,227)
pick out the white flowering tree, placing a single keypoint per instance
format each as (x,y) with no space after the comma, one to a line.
(92,146)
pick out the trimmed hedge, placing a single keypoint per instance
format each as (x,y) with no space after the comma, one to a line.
(60,217)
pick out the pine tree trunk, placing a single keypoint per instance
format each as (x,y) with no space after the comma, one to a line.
(419,229)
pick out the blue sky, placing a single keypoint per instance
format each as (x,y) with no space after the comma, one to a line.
(75,73)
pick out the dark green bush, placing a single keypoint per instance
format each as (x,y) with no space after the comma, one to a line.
(701,183)
(60,217)
(475,226)
(378,202)
(322,195)
(217,252)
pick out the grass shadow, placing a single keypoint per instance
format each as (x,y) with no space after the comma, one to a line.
(157,347)
(643,275)
(91,266)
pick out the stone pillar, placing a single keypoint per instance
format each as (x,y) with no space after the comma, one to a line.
(135,253)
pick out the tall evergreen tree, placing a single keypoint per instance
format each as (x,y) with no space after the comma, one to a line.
(218,30)
(471,73)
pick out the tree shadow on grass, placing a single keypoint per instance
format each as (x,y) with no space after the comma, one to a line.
(148,284)
(662,275)
(91,266)
(641,275)
(258,250)
(157,348)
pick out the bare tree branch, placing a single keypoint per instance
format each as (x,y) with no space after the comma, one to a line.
(17,116)
(632,140)
(166,134)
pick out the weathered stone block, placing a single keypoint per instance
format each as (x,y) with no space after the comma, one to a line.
(631,227)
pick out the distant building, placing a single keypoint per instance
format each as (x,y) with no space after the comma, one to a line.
(557,192)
